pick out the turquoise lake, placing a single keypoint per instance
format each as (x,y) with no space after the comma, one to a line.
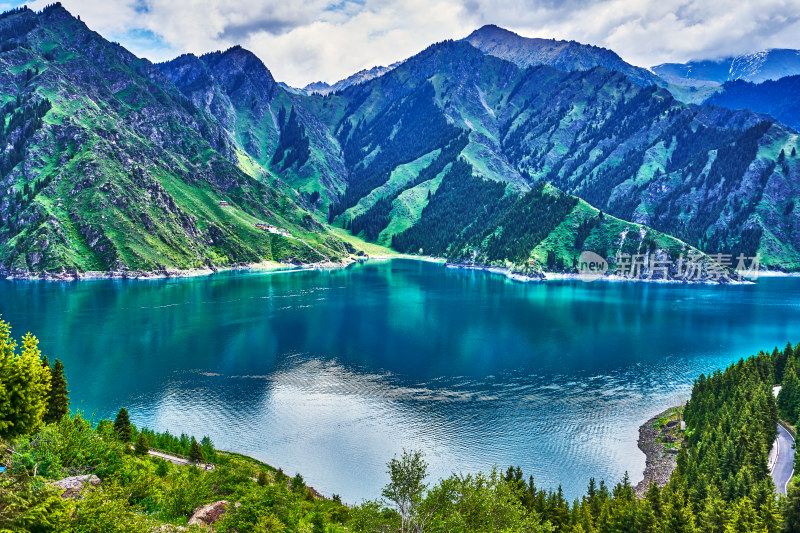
(331,373)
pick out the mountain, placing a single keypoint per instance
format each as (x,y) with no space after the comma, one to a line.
(320,87)
(756,68)
(565,55)
(778,98)
(112,163)
(108,166)
(706,175)
(262,118)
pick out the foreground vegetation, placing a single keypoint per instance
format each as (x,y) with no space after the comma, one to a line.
(721,483)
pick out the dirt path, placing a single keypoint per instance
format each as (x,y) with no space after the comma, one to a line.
(177,460)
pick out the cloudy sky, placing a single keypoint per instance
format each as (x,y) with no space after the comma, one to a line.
(302,41)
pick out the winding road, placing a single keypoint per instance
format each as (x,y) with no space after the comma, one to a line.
(781,460)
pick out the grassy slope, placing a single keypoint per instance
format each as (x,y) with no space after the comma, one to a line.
(98,213)
(407,208)
(606,239)
(400,177)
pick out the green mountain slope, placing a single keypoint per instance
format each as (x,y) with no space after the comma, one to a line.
(711,177)
(107,166)
(263,119)
(112,163)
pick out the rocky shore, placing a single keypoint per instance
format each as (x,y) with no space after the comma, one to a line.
(660,439)
(533,275)
(73,275)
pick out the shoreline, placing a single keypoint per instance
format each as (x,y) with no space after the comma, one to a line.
(569,276)
(505,271)
(274,266)
(169,273)
(659,464)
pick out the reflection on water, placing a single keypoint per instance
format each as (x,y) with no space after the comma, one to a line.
(331,373)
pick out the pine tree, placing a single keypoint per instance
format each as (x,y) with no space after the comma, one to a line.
(298,484)
(791,510)
(58,397)
(646,521)
(209,454)
(789,395)
(280,477)
(678,515)
(195,452)
(744,518)
(713,515)
(142,448)
(24,384)
(122,426)
(653,496)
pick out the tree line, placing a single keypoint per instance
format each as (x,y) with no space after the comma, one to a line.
(32,392)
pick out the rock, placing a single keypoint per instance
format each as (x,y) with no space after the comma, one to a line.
(209,514)
(73,487)
(672,423)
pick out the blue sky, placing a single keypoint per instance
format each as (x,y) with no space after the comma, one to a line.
(302,41)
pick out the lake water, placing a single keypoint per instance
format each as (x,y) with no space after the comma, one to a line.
(330,373)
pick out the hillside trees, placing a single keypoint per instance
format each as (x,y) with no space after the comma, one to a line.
(293,145)
(58,397)
(122,426)
(24,385)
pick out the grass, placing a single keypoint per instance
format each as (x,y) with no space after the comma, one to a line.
(249,460)
(605,239)
(407,207)
(368,248)
(398,180)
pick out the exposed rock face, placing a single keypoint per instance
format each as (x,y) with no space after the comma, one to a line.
(564,55)
(237,88)
(362,76)
(74,487)
(209,514)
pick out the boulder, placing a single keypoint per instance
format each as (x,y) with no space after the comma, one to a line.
(73,487)
(209,514)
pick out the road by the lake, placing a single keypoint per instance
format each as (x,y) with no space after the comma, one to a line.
(781,460)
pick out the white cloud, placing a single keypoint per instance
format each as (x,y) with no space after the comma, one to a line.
(307,40)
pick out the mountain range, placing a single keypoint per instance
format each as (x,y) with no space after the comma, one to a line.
(778,98)
(756,67)
(320,87)
(494,150)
